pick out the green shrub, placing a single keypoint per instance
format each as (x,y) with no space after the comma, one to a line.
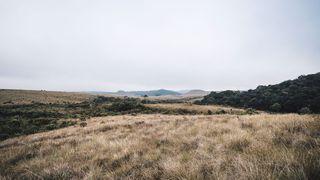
(251,111)
(51,127)
(221,111)
(276,107)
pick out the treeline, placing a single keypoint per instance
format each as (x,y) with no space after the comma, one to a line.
(300,95)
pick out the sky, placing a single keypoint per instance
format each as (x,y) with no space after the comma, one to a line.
(110,45)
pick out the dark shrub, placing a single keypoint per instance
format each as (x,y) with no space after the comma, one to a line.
(305,110)
(250,111)
(82,118)
(126,105)
(51,126)
(83,124)
(221,111)
(276,107)
(103,99)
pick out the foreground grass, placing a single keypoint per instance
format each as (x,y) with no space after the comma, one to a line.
(170,147)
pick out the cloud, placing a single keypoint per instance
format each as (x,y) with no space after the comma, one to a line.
(110,45)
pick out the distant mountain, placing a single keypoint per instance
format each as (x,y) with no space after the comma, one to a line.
(298,95)
(160,92)
(183,91)
(196,92)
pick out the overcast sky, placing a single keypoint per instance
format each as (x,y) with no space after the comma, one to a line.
(107,45)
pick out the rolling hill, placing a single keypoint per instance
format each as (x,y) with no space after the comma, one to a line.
(298,95)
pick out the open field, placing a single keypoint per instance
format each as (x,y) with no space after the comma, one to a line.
(9,97)
(158,146)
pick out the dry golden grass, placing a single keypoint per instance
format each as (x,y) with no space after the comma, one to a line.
(170,147)
(200,109)
(8,96)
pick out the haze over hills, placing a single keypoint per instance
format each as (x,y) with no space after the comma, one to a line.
(160,92)
(196,92)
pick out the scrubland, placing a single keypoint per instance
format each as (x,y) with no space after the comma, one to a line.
(263,146)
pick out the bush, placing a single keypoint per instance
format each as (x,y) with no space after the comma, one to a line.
(250,111)
(83,124)
(221,111)
(103,99)
(126,105)
(51,127)
(82,118)
(305,110)
(276,107)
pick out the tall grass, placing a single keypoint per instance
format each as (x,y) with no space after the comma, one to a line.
(170,147)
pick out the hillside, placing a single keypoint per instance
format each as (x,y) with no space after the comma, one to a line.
(298,95)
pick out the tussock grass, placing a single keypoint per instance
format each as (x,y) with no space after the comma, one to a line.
(170,147)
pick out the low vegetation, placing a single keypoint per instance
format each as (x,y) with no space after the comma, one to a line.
(23,119)
(158,146)
(37,117)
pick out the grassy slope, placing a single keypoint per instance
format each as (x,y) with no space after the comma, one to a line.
(29,118)
(175,147)
(8,96)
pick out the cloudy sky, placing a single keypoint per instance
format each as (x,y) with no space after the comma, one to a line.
(107,45)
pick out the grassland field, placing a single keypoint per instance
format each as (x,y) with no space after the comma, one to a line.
(156,141)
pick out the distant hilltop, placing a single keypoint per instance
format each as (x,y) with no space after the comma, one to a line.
(196,92)
(160,92)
